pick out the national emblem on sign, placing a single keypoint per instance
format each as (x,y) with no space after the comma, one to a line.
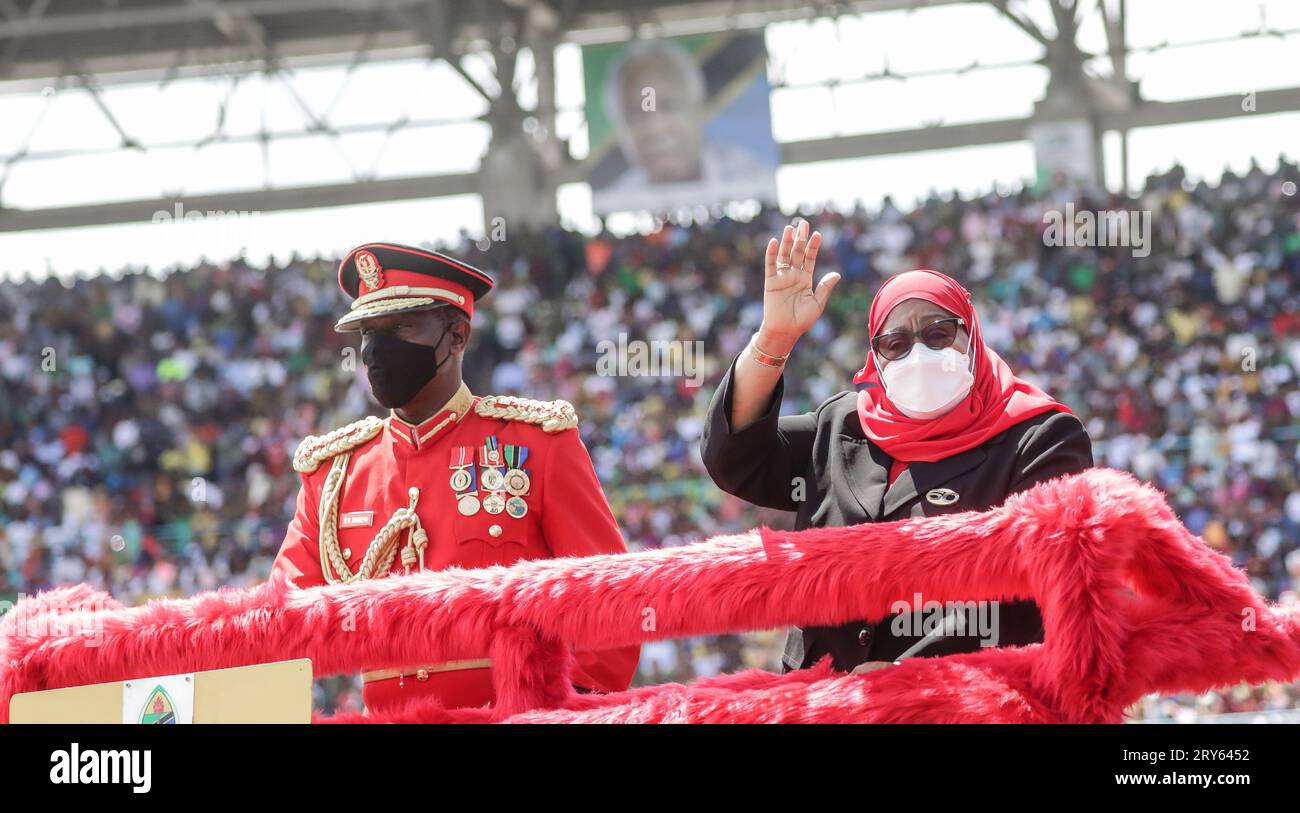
(158,708)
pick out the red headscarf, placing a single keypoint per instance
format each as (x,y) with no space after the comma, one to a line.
(997,401)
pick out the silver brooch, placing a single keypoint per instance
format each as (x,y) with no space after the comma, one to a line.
(942,496)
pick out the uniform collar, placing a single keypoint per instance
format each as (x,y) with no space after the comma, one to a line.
(420,435)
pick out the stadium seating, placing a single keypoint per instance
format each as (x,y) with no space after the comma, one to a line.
(147,421)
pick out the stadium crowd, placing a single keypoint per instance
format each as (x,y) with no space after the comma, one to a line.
(147,419)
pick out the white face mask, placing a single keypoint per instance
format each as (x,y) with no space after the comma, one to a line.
(926,383)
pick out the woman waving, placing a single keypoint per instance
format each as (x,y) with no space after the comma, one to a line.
(938,424)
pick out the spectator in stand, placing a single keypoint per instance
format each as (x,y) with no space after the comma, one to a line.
(147,420)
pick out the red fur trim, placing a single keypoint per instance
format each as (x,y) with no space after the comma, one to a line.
(1132,604)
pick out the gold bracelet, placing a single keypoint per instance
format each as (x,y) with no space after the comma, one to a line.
(766,359)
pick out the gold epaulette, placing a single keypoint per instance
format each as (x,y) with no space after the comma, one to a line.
(552,416)
(316,449)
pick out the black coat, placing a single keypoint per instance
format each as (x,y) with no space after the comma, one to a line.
(844,480)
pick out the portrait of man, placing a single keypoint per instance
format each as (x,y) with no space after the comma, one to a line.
(682,120)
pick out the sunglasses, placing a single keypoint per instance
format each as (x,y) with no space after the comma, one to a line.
(937,335)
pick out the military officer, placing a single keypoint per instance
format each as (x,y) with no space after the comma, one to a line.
(448,479)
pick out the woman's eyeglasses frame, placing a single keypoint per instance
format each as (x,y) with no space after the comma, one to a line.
(916,336)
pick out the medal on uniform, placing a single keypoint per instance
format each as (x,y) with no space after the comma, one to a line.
(516,507)
(492,480)
(494,503)
(490,463)
(461,479)
(467,505)
(516,479)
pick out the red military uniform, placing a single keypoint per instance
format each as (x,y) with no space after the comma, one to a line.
(484,481)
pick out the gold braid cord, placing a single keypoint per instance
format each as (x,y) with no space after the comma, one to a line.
(338,445)
(379,557)
(316,449)
(552,416)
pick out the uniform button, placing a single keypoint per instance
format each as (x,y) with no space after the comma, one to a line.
(422,675)
(347,553)
(495,530)
(452,416)
(864,635)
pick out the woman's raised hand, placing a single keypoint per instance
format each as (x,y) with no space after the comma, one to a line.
(790,307)
(790,303)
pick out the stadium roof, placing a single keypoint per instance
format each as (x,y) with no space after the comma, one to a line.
(88,44)
(42,39)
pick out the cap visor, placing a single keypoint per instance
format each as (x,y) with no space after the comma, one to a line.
(352,321)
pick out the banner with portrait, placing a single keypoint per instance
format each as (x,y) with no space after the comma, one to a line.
(680,121)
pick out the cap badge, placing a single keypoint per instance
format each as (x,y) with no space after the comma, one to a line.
(369,270)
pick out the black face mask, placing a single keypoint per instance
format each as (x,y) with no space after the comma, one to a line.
(399,369)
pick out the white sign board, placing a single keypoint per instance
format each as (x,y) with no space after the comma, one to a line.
(1063,148)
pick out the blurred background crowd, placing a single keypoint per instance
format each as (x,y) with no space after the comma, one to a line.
(147,420)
